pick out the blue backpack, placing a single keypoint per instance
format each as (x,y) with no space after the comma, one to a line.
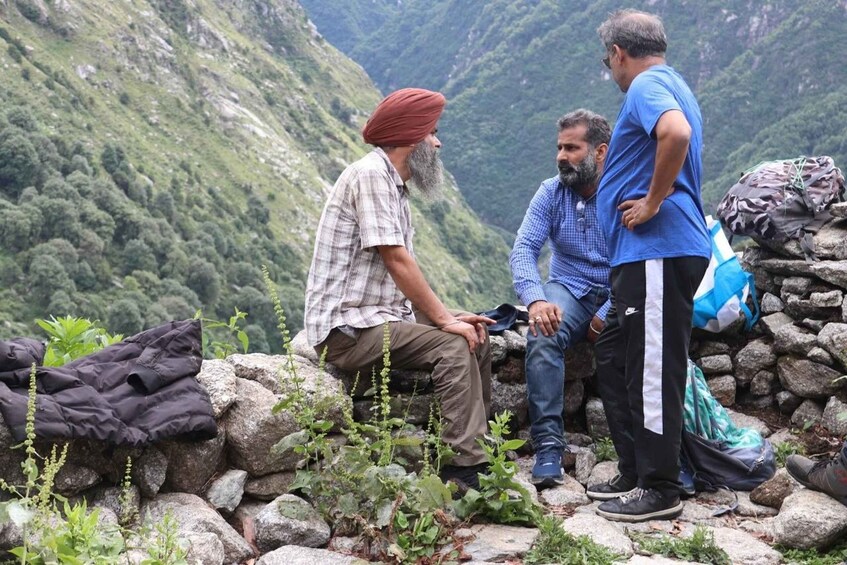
(719,453)
(723,292)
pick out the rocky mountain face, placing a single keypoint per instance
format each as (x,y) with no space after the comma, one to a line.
(196,140)
(766,74)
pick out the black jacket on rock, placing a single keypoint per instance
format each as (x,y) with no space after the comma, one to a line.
(135,392)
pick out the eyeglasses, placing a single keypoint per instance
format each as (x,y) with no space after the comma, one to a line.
(607,61)
(580,215)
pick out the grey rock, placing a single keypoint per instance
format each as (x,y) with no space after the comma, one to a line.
(838,209)
(72,479)
(574,395)
(414,408)
(814,326)
(191,465)
(580,440)
(745,421)
(799,308)
(412,382)
(571,493)
(830,299)
(579,361)
(809,413)
(791,339)
(204,549)
(585,462)
(809,519)
(289,520)
(194,516)
(833,272)
(833,338)
(498,349)
(218,378)
(296,555)
(512,371)
(807,379)
(754,357)
(111,499)
(723,389)
(744,549)
(834,417)
(748,508)
(602,473)
(796,285)
(787,401)
(252,430)
(595,416)
(773,322)
(150,471)
(601,532)
(225,492)
(820,355)
(515,343)
(498,543)
(763,383)
(716,364)
(771,304)
(300,346)
(709,348)
(511,397)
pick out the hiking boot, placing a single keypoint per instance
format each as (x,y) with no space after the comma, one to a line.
(828,476)
(639,505)
(548,471)
(611,489)
(466,478)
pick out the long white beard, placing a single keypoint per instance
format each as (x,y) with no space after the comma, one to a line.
(427,170)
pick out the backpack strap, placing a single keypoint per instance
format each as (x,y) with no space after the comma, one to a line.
(750,318)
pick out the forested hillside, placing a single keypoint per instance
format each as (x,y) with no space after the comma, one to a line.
(155,154)
(768,74)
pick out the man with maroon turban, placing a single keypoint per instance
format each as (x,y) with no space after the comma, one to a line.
(364,275)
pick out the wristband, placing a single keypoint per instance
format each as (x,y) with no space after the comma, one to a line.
(590,327)
(453,323)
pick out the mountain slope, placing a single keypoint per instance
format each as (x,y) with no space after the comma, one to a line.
(171,148)
(509,69)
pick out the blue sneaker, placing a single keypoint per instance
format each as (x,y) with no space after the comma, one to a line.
(686,477)
(548,471)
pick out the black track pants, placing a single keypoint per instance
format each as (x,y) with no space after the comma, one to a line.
(642,357)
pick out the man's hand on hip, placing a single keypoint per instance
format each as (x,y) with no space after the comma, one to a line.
(544,316)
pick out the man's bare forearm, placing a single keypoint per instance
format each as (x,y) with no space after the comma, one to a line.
(407,275)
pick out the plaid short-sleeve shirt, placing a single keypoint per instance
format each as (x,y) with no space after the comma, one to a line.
(348,283)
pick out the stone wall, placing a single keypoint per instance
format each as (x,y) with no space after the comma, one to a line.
(230,493)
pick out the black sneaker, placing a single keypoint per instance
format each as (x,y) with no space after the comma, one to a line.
(828,476)
(639,505)
(466,478)
(611,489)
(548,471)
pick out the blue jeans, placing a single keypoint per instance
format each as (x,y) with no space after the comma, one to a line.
(545,361)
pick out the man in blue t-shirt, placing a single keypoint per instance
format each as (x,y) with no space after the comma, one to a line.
(648,204)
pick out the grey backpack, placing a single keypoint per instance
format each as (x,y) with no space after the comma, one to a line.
(781,200)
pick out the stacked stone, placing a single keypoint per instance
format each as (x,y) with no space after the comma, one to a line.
(795,356)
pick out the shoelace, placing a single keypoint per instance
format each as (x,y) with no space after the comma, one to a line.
(823,464)
(549,457)
(633,495)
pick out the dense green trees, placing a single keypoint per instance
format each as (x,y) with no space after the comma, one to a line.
(110,244)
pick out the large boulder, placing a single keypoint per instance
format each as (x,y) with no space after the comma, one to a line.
(807,379)
(809,519)
(218,378)
(289,520)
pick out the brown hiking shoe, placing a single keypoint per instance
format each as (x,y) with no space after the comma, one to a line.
(828,476)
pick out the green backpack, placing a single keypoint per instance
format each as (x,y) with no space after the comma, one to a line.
(719,453)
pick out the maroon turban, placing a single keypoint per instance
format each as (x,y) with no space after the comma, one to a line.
(404,117)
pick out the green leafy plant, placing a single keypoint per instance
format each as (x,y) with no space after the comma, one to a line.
(69,338)
(786,448)
(501,498)
(72,535)
(166,548)
(604,449)
(555,545)
(222,339)
(700,547)
(834,556)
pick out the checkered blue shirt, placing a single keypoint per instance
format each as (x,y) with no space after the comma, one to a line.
(579,258)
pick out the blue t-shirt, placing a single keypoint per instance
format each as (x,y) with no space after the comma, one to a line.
(679,229)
